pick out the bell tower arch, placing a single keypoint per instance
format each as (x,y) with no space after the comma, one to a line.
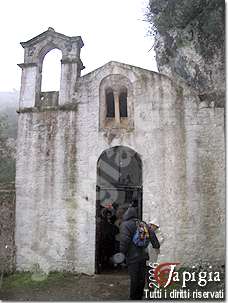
(35,50)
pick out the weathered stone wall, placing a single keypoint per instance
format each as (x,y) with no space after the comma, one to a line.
(182,149)
(47,205)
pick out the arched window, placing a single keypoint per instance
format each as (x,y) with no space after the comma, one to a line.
(123,104)
(110,103)
(51,71)
(116,103)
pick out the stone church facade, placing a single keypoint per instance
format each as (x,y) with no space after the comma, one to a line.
(168,148)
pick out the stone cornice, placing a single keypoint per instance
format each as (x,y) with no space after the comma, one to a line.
(78,61)
(24,65)
(65,107)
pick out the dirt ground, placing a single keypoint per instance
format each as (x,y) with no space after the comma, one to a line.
(66,287)
(79,287)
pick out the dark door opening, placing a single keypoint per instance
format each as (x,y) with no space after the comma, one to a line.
(119,182)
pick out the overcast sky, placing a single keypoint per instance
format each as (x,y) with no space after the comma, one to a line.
(110,29)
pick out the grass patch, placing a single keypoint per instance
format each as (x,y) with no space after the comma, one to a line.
(31,280)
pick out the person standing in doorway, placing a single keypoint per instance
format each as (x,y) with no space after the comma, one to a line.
(135,256)
(153,252)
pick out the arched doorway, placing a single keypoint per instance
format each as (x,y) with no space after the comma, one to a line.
(119,182)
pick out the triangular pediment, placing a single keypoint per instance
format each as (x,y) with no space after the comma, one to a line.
(50,33)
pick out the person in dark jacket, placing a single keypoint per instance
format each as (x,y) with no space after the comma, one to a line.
(135,256)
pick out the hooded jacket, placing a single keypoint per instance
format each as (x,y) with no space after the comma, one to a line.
(154,253)
(128,228)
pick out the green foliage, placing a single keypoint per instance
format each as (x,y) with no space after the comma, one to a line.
(8,106)
(167,14)
(7,170)
(8,123)
(3,126)
(25,280)
(204,18)
(7,161)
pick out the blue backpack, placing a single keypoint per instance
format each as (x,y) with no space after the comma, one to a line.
(141,237)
